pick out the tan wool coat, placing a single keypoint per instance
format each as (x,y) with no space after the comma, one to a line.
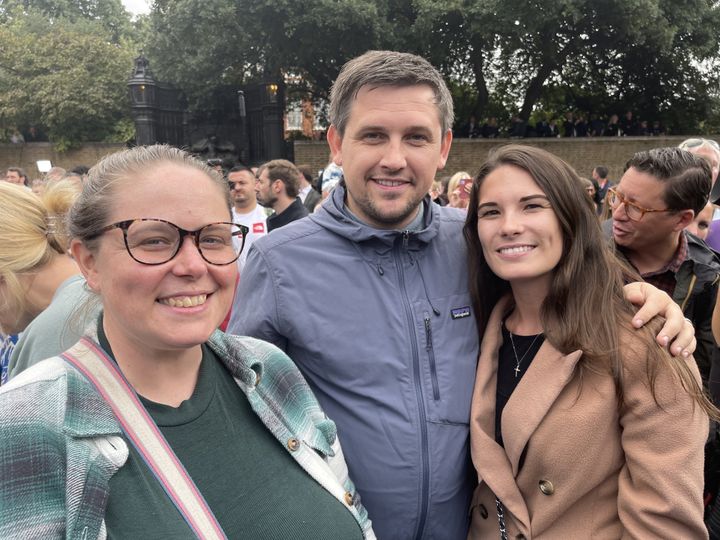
(590,469)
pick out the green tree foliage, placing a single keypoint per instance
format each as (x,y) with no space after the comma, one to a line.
(197,45)
(109,14)
(69,77)
(614,53)
(601,55)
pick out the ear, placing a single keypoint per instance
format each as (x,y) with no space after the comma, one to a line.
(685,218)
(335,141)
(87,262)
(445,149)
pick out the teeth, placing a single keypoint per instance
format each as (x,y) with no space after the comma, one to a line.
(389,183)
(513,250)
(184,301)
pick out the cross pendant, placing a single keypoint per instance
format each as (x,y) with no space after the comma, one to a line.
(517,370)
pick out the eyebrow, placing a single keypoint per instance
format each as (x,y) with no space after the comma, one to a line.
(408,129)
(522,199)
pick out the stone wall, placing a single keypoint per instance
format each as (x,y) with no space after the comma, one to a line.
(26,155)
(582,153)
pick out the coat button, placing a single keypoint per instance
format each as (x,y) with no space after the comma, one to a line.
(483,511)
(348,498)
(293,444)
(546,487)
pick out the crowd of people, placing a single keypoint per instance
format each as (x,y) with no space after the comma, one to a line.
(573,124)
(243,354)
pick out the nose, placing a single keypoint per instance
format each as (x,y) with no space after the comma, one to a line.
(617,213)
(511,224)
(393,157)
(188,261)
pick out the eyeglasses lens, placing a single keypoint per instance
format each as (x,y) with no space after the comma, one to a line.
(156,242)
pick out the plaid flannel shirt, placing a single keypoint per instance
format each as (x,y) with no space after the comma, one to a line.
(60,442)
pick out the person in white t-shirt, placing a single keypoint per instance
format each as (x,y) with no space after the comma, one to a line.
(246,211)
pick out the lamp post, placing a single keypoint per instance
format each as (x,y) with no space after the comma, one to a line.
(244,150)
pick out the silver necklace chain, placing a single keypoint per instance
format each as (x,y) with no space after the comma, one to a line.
(519,361)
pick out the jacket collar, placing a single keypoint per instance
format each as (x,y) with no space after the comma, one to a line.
(331,216)
(87,414)
(247,368)
(546,377)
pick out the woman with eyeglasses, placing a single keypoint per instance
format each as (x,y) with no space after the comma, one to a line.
(231,426)
(581,426)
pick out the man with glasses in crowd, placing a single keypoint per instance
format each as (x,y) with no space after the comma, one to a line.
(660,193)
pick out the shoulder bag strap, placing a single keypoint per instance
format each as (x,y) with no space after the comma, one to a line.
(88,358)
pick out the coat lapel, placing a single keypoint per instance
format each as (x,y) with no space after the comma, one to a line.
(490,460)
(548,374)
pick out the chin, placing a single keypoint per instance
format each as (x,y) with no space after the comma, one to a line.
(186,338)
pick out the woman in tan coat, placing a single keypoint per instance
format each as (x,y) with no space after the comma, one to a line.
(581,426)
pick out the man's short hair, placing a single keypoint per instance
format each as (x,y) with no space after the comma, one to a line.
(687,177)
(601,171)
(21,173)
(306,171)
(240,168)
(387,68)
(285,171)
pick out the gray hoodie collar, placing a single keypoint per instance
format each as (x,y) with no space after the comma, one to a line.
(331,217)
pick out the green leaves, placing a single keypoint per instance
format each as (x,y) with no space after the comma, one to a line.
(69,77)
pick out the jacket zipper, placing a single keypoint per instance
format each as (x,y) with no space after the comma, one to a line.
(431,356)
(683,305)
(425,491)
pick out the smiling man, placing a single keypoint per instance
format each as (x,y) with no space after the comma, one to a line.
(370,298)
(660,193)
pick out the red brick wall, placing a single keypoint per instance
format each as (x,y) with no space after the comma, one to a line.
(25,155)
(582,153)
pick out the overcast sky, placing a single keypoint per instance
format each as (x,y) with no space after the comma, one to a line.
(136,6)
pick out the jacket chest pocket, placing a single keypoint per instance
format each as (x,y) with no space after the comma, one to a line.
(447,353)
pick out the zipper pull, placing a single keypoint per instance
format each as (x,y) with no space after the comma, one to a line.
(380,269)
(428,333)
(406,238)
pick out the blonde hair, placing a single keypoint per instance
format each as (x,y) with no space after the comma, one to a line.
(455,180)
(33,231)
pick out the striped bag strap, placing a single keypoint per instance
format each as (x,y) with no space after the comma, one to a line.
(140,429)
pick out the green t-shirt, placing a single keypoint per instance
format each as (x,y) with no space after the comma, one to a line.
(252,484)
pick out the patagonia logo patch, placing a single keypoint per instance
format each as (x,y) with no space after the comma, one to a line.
(460,313)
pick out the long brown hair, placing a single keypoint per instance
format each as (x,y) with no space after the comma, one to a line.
(585,308)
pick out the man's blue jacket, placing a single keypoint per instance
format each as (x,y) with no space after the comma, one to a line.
(380,324)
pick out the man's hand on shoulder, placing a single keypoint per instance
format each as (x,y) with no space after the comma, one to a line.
(678,333)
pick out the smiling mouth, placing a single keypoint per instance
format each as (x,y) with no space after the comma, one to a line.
(390,183)
(515,250)
(184,301)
